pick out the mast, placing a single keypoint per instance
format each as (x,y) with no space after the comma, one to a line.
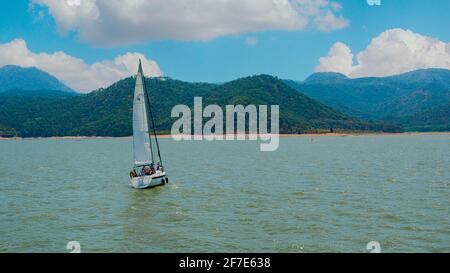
(147,97)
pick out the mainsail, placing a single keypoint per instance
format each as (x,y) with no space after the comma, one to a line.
(141,138)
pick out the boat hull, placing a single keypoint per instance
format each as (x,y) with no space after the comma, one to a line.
(145,182)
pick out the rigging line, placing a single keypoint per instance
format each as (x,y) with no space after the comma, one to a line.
(147,132)
(153,120)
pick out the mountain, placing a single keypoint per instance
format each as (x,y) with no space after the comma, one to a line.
(298,113)
(436,119)
(20,78)
(386,98)
(325,76)
(422,77)
(108,112)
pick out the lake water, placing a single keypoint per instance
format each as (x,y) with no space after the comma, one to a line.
(315,194)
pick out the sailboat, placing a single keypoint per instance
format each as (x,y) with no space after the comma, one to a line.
(148,170)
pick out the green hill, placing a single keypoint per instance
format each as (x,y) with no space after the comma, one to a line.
(388,98)
(436,120)
(108,112)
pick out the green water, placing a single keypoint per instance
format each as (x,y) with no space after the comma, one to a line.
(316,194)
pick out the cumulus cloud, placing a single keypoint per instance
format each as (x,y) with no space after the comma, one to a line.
(323,13)
(74,71)
(339,59)
(328,22)
(392,52)
(117,22)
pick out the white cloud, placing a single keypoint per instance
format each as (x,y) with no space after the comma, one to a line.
(324,14)
(73,2)
(118,22)
(251,41)
(392,52)
(328,22)
(74,71)
(339,59)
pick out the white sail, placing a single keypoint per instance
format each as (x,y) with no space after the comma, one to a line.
(141,138)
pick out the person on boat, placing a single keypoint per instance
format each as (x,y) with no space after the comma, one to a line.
(147,170)
(157,166)
(133,173)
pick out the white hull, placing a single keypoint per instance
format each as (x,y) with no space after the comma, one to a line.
(149,181)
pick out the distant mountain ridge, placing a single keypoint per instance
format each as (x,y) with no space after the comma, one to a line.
(29,78)
(388,98)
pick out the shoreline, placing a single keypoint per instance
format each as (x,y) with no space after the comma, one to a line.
(264,135)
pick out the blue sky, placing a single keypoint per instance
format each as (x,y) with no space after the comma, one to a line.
(292,54)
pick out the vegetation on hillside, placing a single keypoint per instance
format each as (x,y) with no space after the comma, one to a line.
(433,120)
(387,98)
(108,112)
